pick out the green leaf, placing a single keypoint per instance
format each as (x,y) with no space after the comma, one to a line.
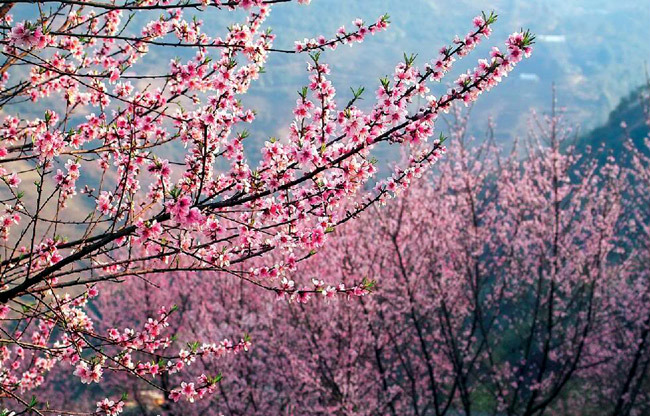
(368,284)
(215,379)
(357,93)
(175,192)
(409,59)
(315,57)
(193,346)
(385,82)
(491,18)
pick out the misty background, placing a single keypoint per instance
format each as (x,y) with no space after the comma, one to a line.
(594,51)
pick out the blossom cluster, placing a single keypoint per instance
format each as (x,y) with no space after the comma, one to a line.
(343,37)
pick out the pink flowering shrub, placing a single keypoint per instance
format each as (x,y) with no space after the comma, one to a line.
(129,172)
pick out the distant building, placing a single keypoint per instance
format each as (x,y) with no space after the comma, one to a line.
(528,76)
(552,38)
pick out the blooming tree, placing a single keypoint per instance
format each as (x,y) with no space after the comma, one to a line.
(500,289)
(94,189)
(629,353)
(504,286)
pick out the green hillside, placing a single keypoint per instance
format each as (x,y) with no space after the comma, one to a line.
(627,119)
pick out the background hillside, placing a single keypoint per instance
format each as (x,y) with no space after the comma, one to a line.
(628,119)
(583,46)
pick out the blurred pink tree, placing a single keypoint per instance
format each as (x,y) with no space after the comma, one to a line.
(506,285)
